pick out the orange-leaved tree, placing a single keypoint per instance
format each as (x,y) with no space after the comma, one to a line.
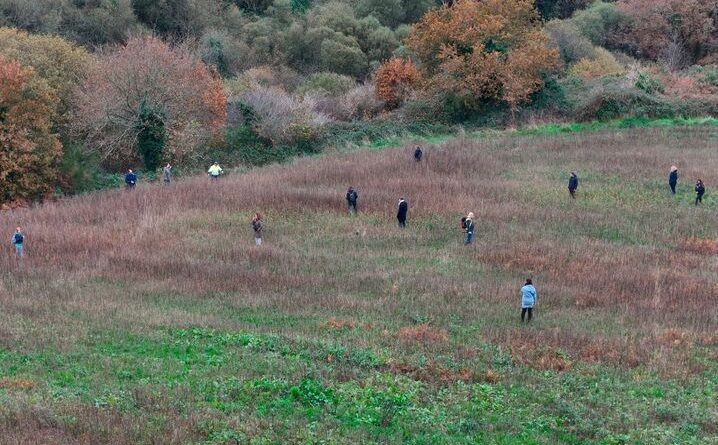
(479,50)
(394,81)
(29,151)
(147,81)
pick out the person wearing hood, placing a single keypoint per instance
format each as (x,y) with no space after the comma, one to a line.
(673,179)
(700,191)
(418,154)
(401,214)
(528,300)
(352,197)
(573,184)
(469,228)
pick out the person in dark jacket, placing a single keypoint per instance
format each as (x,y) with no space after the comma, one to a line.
(130,179)
(573,184)
(258,228)
(401,214)
(418,154)
(18,240)
(352,197)
(673,179)
(469,228)
(700,191)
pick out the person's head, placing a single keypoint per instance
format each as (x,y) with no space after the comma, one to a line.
(471,215)
(351,189)
(401,199)
(168,165)
(573,173)
(129,170)
(674,168)
(529,281)
(257,216)
(18,230)
(699,181)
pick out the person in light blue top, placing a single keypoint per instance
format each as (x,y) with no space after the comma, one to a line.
(528,299)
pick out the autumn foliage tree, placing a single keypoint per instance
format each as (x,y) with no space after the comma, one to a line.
(677,32)
(147,92)
(395,80)
(479,50)
(29,151)
(57,61)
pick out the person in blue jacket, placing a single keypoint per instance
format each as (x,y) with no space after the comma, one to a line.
(528,300)
(130,179)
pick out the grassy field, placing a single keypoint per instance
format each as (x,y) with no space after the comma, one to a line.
(150,316)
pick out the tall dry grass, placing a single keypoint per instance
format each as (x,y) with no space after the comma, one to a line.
(611,268)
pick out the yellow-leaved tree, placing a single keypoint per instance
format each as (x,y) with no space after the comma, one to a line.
(483,50)
(29,151)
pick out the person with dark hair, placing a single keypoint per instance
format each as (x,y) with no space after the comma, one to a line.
(673,179)
(130,179)
(352,197)
(18,240)
(258,227)
(469,228)
(167,174)
(528,299)
(401,214)
(418,154)
(700,191)
(573,184)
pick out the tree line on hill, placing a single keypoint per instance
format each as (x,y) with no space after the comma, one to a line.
(93,86)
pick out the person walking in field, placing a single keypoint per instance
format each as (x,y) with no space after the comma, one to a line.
(468,225)
(401,214)
(528,300)
(700,191)
(258,227)
(130,179)
(673,179)
(214,171)
(573,184)
(418,154)
(18,240)
(167,174)
(352,197)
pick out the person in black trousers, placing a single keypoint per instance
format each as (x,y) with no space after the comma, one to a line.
(700,191)
(401,214)
(418,154)
(673,179)
(573,185)
(352,197)
(130,179)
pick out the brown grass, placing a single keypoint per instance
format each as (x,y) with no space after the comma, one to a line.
(624,274)
(422,334)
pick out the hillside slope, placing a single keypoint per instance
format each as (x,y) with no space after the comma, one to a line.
(150,316)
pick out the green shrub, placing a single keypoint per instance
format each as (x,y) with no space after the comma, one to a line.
(326,84)
(598,21)
(648,84)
